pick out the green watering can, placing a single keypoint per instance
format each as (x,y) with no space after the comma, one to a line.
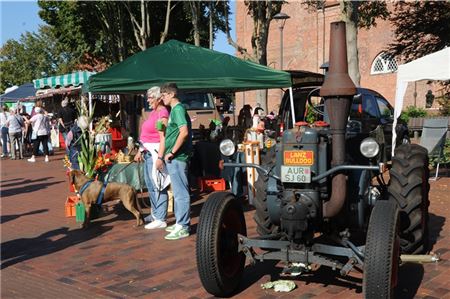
(80,212)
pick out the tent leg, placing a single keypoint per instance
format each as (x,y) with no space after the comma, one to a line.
(90,108)
(437,166)
(291,100)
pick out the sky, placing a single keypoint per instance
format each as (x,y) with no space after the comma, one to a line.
(18,16)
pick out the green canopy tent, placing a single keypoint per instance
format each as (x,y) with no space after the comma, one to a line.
(191,67)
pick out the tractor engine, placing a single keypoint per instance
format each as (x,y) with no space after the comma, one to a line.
(303,154)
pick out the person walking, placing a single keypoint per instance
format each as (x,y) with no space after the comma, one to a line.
(4,128)
(41,128)
(15,125)
(178,150)
(152,150)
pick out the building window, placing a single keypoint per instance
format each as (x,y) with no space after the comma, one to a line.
(383,64)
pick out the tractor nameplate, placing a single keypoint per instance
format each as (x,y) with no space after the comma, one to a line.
(298,158)
(295,174)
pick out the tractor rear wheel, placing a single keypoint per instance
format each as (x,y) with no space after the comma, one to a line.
(220,264)
(382,253)
(408,187)
(263,224)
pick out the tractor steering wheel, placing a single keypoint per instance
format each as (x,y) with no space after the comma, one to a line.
(318,111)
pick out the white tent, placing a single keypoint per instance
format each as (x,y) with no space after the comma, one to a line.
(435,66)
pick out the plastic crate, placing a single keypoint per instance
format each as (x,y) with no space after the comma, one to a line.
(70,206)
(209,185)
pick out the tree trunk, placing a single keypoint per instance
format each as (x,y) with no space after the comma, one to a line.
(211,12)
(259,47)
(350,16)
(230,40)
(195,10)
(141,28)
(166,23)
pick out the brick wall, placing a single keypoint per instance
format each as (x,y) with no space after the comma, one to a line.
(306,46)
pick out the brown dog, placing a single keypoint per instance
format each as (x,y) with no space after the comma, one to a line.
(113,191)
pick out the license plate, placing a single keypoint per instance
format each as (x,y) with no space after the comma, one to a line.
(295,174)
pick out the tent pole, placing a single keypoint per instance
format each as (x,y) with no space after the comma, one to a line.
(90,108)
(291,100)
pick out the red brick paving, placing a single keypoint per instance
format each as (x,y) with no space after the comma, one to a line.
(46,255)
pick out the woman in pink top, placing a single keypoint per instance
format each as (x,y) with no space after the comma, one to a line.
(152,141)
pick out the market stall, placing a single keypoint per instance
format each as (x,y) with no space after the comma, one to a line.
(192,68)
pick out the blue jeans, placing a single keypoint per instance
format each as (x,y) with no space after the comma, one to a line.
(64,135)
(180,187)
(158,199)
(73,157)
(5,140)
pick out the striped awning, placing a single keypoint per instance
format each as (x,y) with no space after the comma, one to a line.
(74,79)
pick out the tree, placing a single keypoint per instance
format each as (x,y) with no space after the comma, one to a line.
(91,31)
(106,32)
(140,21)
(34,55)
(421,28)
(356,14)
(262,13)
(207,18)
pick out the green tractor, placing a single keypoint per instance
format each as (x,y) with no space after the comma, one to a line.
(316,206)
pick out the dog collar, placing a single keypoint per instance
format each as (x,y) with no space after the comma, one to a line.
(84,187)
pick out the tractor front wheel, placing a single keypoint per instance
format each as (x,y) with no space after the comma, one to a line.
(220,264)
(382,253)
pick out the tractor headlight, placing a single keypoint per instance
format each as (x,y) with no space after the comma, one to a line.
(227,147)
(369,147)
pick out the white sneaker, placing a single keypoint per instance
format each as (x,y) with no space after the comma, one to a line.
(46,159)
(156,224)
(148,219)
(2,155)
(32,160)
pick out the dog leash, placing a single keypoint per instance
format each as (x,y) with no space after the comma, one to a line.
(84,187)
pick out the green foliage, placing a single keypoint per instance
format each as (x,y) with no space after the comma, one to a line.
(364,13)
(33,55)
(446,155)
(369,11)
(104,32)
(87,156)
(412,111)
(311,115)
(421,28)
(444,103)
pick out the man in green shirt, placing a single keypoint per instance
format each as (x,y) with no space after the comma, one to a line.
(178,150)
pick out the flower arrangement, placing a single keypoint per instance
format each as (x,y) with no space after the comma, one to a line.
(103,162)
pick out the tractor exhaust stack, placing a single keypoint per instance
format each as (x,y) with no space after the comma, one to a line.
(338,90)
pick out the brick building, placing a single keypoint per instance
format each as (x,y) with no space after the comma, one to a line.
(306,46)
